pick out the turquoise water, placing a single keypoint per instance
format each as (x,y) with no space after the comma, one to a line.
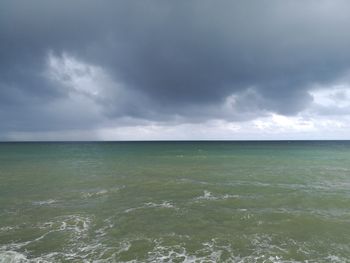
(175,202)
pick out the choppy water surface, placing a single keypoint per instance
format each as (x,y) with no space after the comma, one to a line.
(175,202)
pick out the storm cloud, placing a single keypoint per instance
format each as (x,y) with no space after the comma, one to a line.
(87,65)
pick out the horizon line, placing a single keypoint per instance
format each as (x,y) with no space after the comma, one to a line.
(200,140)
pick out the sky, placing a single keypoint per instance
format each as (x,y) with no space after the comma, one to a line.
(174,70)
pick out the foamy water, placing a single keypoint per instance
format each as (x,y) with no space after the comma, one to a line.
(175,202)
(210,196)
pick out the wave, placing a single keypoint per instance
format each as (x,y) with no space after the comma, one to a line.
(260,248)
(164,204)
(101,192)
(44,202)
(209,196)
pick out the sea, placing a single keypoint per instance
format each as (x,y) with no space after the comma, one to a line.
(175,201)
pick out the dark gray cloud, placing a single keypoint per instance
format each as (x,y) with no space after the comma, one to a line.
(180,60)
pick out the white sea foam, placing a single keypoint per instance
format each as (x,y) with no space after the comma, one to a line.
(17,257)
(44,202)
(263,251)
(209,196)
(80,247)
(211,251)
(95,193)
(101,192)
(102,231)
(12,257)
(336,259)
(164,204)
(76,225)
(214,250)
(8,228)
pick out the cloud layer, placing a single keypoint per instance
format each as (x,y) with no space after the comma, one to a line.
(222,69)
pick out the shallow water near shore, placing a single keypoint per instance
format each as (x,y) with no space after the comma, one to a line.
(175,202)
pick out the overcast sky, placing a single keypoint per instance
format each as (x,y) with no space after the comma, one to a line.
(140,70)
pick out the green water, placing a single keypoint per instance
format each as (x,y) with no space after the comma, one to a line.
(175,202)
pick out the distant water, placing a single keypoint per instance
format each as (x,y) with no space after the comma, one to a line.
(175,202)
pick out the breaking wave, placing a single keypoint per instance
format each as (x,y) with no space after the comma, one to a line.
(164,204)
(209,196)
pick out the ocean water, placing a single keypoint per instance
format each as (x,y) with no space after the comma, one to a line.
(175,202)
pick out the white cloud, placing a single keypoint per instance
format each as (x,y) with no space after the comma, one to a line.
(79,77)
(334,96)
